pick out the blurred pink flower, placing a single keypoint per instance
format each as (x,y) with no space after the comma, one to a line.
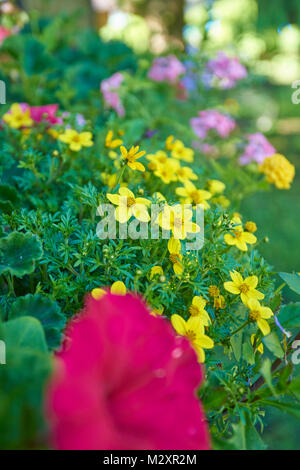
(4,33)
(125,381)
(227,70)
(109,88)
(257,149)
(212,119)
(45,113)
(166,69)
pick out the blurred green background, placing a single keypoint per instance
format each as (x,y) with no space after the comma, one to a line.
(266,35)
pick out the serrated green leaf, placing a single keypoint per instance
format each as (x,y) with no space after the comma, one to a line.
(292,280)
(18,253)
(246,437)
(46,311)
(248,353)
(289,315)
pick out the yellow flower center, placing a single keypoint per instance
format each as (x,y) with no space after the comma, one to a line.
(191,335)
(196,197)
(238,233)
(152,166)
(254,315)
(173,258)
(178,222)
(244,288)
(130,201)
(193,310)
(76,138)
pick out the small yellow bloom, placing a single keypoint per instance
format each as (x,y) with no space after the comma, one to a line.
(197,309)
(246,288)
(278,170)
(117,288)
(185,174)
(156,312)
(110,142)
(250,227)
(178,219)
(156,159)
(109,180)
(213,291)
(193,330)
(17,118)
(129,205)
(175,256)
(222,201)
(192,195)
(239,237)
(167,171)
(76,140)
(259,314)
(130,156)
(156,270)
(53,132)
(169,142)
(180,152)
(260,347)
(219,302)
(215,186)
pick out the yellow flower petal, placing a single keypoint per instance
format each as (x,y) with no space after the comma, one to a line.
(118,288)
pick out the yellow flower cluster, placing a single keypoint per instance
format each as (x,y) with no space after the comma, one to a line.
(238,237)
(278,171)
(194,328)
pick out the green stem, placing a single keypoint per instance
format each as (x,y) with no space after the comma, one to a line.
(240,327)
(120,177)
(279,288)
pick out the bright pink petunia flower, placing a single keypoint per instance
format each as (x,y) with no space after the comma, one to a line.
(257,149)
(227,70)
(125,381)
(212,119)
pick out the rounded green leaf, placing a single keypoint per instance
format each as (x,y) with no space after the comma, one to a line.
(18,253)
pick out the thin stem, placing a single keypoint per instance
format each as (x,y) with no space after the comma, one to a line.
(240,327)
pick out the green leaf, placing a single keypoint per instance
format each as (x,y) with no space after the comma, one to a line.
(272,342)
(292,280)
(291,408)
(8,198)
(248,353)
(236,344)
(289,315)
(245,436)
(266,371)
(18,253)
(46,311)
(24,332)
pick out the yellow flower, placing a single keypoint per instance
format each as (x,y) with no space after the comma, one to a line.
(131,156)
(17,118)
(156,270)
(250,227)
(169,142)
(193,330)
(175,256)
(129,205)
(157,311)
(192,195)
(178,219)
(109,180)
(215,186)
(222,200)
(156,159)
(246,288)
(110,142)
(213,291)
(76,140)
(180,152)
(260,347)
(219,302)
(238,237)
(54,133)
(117,288)
(259,314)
(185,174)
(167,171)
(278,171)
(197,309)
